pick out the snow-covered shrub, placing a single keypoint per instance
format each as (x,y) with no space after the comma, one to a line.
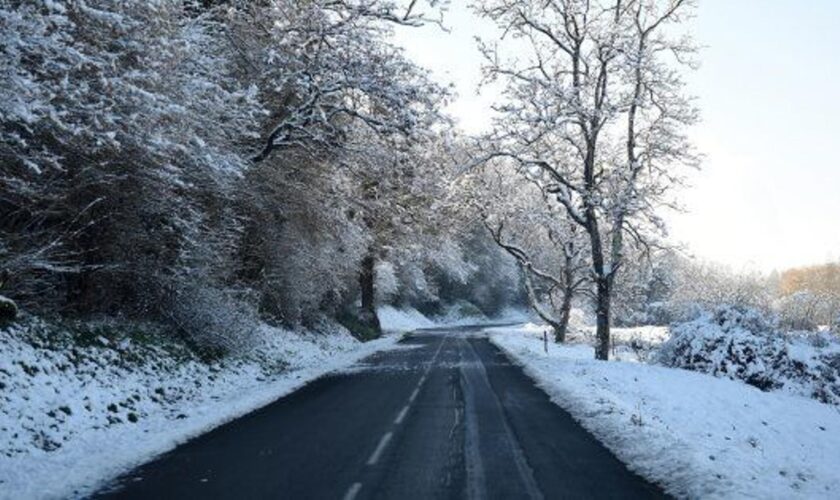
(100,185)
(213,321)
(744,344)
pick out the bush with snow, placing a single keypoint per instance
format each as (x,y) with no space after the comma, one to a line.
(213,321)
(742,344)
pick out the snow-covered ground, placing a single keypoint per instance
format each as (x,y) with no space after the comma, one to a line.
(628,344)
(697,435)
(79,408)
(75,415)
(393,319)
(407,319)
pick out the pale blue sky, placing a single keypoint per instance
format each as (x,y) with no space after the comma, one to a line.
(768,196)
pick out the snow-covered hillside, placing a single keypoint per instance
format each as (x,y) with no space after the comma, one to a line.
(697,435)
(81,403)
(80,408)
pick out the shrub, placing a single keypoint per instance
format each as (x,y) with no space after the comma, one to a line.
(743,344)
(213,321)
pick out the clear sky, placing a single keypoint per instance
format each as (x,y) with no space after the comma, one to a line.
(768,196)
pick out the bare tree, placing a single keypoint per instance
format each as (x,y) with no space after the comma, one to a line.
(817,291)
(567,282)
(595,112)
(548,248)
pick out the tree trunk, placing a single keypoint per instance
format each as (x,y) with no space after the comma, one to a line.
(602,274)
(367,312)
(558,326)
(602,314)
(563,323)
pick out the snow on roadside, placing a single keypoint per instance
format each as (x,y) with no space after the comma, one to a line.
(407,319)
(402,320)
(629,344)
(697,435)
(73,417)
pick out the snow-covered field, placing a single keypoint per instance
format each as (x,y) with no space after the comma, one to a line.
(697,435)
(73,416)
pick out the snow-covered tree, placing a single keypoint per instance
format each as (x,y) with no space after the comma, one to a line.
(327,65)
(549,249)
(121,152)
(154,150)
(812,294)
(595,110)
(702,286)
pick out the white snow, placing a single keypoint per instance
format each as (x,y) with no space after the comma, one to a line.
(696,435)
(407,319)
(65,424)
(742,344)
(402,320)
(629,344)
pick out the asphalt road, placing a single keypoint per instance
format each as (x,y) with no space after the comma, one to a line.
(446,415)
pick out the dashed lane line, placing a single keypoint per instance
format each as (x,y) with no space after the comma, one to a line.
(352,491)
(401,415)
(380,448)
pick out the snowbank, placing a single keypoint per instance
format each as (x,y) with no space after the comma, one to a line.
(407,319)
(697,435)
(629,344)
(402,320)
(76,412)
(511,316)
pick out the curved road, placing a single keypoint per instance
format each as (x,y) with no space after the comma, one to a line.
(446,415)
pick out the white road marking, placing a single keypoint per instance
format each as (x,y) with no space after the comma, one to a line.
(401,416)
(380,448)
(414,395)
(352,491)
